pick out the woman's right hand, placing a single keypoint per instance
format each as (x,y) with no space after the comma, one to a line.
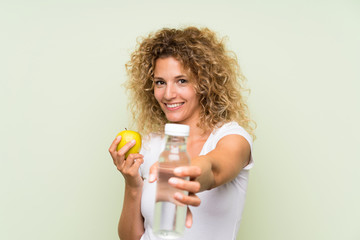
(128,167)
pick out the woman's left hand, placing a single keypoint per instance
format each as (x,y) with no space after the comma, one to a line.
(192,186)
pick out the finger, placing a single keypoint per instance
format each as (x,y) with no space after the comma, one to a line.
(190,186)
(137,163)
(189,218)
(191,200)
(133,170)
(126,147)
(114,144)
(185,171)
(153,173)
(131,159)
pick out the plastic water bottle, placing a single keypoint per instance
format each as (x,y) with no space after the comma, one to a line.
(169,215)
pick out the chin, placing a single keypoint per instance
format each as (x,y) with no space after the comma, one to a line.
(173,119)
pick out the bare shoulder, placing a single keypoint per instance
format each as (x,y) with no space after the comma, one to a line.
(234,141)
(234,147)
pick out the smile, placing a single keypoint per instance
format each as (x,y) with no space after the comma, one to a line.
(173,106)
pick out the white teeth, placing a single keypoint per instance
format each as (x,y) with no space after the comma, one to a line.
(173,105)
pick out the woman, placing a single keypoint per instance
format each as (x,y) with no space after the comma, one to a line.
(187,76)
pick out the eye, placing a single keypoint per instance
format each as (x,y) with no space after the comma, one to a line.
(159,82)
(182,81)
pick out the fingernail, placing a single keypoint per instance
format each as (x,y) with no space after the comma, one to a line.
(173,181)
(151,177)
(178,196)
(118,138)
(133,141)
(188,223)
(177,170)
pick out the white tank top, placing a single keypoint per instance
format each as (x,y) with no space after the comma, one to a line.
(219,214)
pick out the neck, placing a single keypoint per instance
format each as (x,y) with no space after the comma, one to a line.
(197,133)
(196,140)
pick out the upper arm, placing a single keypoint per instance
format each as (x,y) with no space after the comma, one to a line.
(231,154)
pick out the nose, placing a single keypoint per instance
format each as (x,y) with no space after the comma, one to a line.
(170,92)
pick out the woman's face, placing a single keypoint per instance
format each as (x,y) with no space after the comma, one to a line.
(175,92)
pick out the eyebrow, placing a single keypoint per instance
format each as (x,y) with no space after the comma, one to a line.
(176,77)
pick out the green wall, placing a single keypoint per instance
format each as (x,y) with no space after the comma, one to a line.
(61,104)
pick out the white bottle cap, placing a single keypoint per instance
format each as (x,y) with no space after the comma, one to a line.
(175,129)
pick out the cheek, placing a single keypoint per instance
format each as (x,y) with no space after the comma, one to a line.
(191,96)
(157,94)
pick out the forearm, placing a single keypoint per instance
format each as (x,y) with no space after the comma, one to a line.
(207,177)
(131,224)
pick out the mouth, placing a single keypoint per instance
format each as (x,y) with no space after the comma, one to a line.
(173,106)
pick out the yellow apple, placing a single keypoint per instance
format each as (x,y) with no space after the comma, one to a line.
(127,136)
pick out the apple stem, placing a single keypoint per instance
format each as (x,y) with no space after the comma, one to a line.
(126,129)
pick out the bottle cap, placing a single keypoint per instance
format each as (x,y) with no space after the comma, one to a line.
(175,129)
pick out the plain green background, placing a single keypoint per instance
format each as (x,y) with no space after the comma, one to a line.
(62,103)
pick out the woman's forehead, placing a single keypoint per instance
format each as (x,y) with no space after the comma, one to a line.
(170,62)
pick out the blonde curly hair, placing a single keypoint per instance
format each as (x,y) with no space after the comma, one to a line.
(215,70)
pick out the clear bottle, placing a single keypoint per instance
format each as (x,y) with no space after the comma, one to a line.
(169,215)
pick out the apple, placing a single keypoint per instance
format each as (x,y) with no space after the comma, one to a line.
(127,136)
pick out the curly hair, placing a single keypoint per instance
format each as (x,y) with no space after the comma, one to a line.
(216,72)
